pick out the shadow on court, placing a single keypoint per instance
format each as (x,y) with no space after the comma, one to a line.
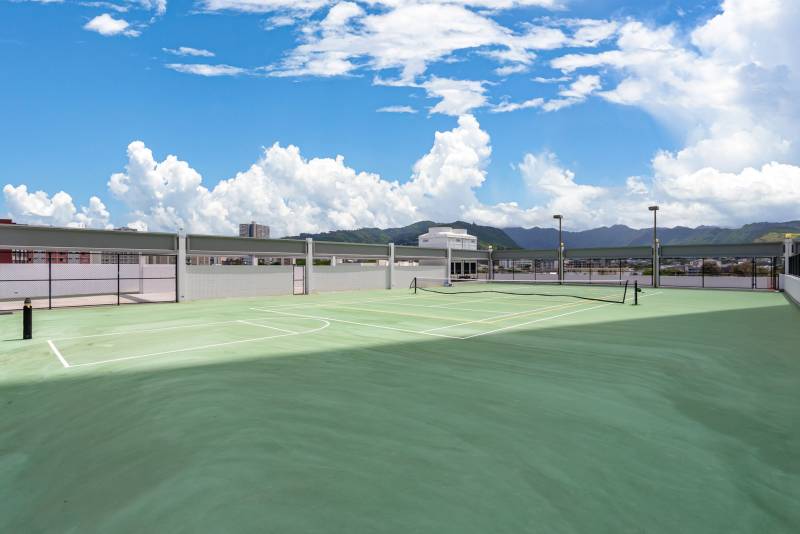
(685,423)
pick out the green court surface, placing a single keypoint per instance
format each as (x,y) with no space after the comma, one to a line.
(386,411)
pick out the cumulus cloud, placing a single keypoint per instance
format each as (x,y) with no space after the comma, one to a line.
(107,25)
(733,93)
(59,210)
(294,194)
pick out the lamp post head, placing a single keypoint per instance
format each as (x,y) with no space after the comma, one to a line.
(653,208)
(558,216)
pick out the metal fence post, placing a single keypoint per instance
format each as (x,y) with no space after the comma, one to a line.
(309,267)
(49,280)
(390,268)
(181,279)
(118,301)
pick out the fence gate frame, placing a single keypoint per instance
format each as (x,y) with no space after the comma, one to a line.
(298,281)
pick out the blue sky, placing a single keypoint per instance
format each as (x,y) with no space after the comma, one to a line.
(437,108)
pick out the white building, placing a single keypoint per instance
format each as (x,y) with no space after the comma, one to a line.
(444,237)
(454,238)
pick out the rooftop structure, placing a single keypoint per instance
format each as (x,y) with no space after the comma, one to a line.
(447,237)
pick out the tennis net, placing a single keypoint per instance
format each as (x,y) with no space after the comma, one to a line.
(614,291)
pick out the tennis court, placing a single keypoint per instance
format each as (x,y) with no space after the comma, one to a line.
(394,411)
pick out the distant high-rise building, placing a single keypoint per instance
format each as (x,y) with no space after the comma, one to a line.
(258,231)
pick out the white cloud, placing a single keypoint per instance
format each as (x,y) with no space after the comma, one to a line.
(397,109)
(410,35)
(262,6)
(119,8)
(506,107)
(202,69)
(294,194)
(159,6)
(540,79)
(575,93)
(635,185)
(107,25)
(733,95)
(511,69)
(592,32)
(266,6)
(59,210)
(457,96)
(188,51)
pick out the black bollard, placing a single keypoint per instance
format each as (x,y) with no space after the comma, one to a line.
(27,320)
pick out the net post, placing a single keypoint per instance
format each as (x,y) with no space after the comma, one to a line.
(415,285)
(635,292)
(27,319)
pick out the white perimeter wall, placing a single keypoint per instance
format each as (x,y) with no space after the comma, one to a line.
(346,277)
(82,279)
(791,285)
(403,275)
(220,281)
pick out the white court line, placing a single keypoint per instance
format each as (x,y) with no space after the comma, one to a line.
(58,354)
(548,318)
(267,326)
(202,347)
(369,310)
(537,321)
(383,327)
(508,315)
(321,304)
(146,330)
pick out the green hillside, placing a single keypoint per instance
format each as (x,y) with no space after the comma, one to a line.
(407,235)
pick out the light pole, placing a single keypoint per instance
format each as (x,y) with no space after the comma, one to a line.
(656,266)
(560,249)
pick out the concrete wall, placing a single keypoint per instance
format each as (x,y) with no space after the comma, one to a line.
(220,281)
(345,277)
(403,275)
(791,285)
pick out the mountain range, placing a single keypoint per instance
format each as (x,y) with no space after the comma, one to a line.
(541,238)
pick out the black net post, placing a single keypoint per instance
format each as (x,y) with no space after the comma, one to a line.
(703,273)
(27,319)
(635,292)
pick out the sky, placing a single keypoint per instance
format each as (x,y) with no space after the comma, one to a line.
(314,115)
